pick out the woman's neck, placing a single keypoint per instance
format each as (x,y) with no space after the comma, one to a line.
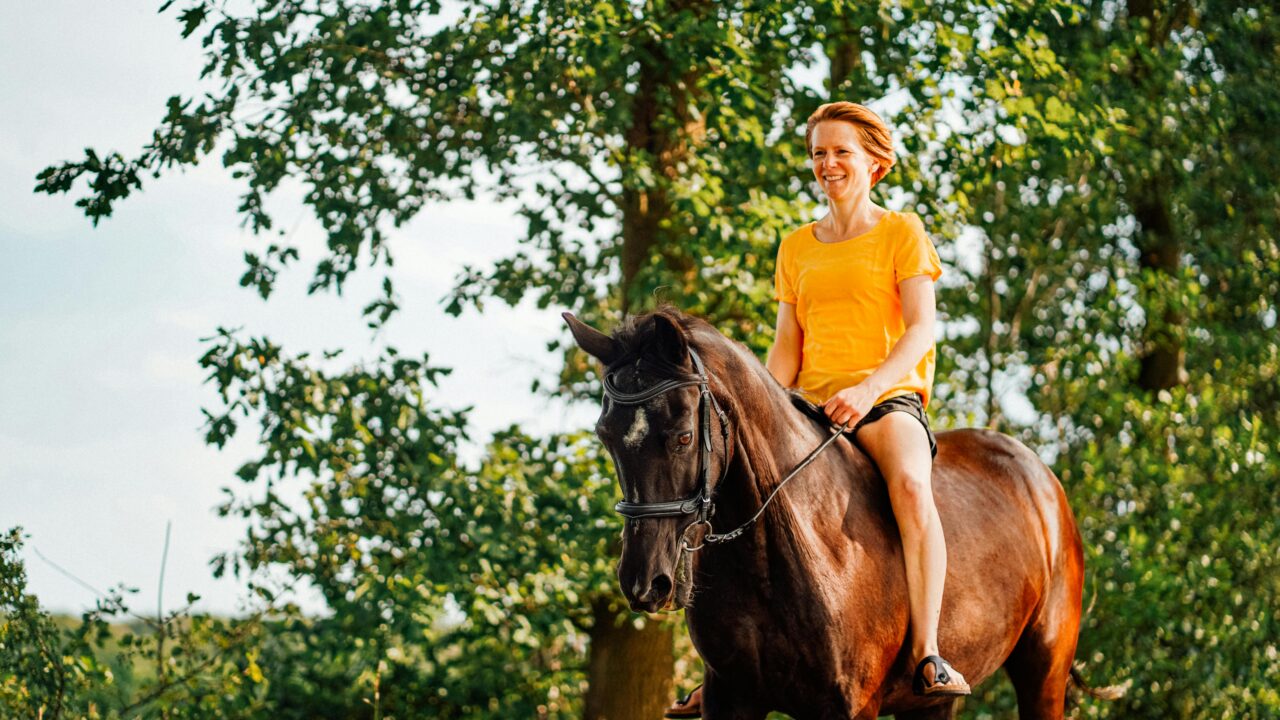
(847,219)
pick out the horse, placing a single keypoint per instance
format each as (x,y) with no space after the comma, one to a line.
(805,611)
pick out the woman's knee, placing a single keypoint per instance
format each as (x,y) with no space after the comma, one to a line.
(912,495)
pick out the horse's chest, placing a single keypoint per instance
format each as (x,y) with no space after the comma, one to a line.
(824,637)
(767,642)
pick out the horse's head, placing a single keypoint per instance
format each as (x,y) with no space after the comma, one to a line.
(666,441)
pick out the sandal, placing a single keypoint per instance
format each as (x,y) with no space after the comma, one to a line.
(944,680)
(689,706)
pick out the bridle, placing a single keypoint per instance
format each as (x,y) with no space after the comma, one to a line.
(700,504)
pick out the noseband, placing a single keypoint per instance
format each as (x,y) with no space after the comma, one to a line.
(700,503)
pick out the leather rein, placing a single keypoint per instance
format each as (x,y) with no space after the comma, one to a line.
(700,504)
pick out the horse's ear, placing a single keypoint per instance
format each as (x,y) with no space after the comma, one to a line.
(595,343)
(670,341)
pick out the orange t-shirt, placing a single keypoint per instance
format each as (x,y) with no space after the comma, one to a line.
(848,306)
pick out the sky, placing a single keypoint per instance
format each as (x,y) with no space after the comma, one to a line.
(100,391)
(100,328)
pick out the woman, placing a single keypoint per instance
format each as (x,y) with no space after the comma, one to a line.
(855,334)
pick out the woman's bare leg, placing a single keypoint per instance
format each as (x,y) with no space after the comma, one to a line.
(900,447)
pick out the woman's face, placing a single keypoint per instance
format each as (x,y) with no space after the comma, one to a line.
(843,168)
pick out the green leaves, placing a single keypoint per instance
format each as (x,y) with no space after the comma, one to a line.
(191,18)
(409,547)
(1100,180)
(261,273)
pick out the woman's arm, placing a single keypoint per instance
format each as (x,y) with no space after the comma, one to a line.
(788,340)
(918,311)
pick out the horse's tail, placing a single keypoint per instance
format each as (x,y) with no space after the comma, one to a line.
(1110,692)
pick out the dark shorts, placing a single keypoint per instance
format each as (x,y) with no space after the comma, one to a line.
(909,404)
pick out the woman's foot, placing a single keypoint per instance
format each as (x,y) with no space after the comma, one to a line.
(689,706)
(935,676)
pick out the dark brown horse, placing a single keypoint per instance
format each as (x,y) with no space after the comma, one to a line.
(806,612)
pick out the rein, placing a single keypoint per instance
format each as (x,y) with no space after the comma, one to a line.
(700,504)
(711,538)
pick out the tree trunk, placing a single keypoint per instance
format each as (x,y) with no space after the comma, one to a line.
(629,671)
(1163,362)
(662,136)
(844,51)
(643,208)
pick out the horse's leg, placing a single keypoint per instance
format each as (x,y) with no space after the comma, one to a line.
(865,707)
(1040,675)
(723,700)
(945,711)
(1040,665)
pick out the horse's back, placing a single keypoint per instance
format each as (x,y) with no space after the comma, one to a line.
(999,501)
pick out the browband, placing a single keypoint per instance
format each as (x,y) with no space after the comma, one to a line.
(700,503)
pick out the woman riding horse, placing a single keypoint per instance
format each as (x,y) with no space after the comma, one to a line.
(855,334)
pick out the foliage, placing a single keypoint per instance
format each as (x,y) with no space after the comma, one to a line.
(465,590)
(1100,178)
(1118,221)
(182,665)
(37,674)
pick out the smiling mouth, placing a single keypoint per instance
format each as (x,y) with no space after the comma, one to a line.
(833,178)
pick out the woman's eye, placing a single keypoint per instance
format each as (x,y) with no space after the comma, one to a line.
(684,438)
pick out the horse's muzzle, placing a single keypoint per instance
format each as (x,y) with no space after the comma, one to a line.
(647,570)
(655,594)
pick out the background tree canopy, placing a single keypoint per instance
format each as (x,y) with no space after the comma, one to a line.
(1099,177)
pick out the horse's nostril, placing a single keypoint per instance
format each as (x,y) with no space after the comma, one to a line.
(660,588)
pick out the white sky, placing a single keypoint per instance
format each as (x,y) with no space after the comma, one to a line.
(100,392)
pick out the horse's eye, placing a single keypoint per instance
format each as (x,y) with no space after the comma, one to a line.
(685,438)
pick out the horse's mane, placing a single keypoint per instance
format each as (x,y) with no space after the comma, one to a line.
(810,410)
(637,334)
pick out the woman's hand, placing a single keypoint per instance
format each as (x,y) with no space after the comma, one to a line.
(850,404)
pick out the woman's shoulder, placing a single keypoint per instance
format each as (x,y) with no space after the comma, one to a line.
(905,217)
(794,238)
(906,223)
(802,232)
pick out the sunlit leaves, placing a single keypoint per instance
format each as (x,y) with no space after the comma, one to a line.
(1100,185)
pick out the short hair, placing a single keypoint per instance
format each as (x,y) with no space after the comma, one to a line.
(872,132)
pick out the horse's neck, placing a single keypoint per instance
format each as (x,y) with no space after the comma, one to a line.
(792,556)
(771,438)
(775,437)
(813,504)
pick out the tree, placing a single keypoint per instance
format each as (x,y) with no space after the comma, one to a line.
(1119,285)
(628,110)
(1100,178)
(179,665)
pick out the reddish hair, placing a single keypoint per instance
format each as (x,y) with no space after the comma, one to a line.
(872,132)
